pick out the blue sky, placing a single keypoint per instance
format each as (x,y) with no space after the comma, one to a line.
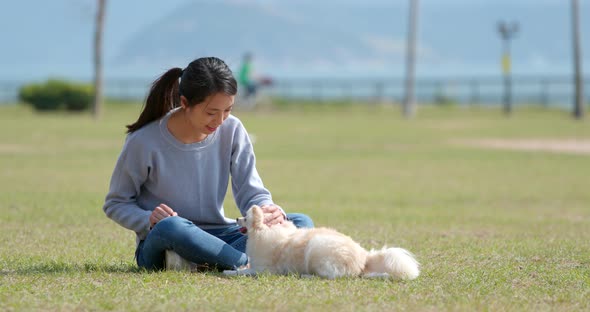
(54,38)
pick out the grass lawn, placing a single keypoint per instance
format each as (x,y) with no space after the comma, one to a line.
(494,229)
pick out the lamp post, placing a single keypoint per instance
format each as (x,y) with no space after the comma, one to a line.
(507,31)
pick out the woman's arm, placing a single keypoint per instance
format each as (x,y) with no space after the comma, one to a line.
(130,172)
(247,185)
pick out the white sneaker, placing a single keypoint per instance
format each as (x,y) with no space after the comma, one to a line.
(174,262)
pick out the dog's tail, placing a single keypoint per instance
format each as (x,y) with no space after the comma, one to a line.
(395,262)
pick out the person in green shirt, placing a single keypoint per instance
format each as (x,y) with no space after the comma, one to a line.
(245,77)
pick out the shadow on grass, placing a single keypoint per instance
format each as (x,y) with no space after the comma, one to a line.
(52,267)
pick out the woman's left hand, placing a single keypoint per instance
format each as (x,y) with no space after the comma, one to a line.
(272,215)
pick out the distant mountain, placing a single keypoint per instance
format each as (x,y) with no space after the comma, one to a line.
(315,37)
(279,35)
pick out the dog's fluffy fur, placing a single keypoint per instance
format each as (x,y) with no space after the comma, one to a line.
(284,249)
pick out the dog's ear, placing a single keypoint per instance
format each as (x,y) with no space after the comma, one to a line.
(250,212)
(257,217)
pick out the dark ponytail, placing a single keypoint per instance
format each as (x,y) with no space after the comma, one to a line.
(203,77)
(162,98)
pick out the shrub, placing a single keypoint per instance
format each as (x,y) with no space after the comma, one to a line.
(78,97)
(57,94)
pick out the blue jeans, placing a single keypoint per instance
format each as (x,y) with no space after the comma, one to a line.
(223,248)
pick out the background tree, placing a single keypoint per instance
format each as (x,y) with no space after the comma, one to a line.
(409,104)
(578,84)
(98,77)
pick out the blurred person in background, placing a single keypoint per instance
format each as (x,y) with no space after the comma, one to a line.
(172,175)
(246,76)
(250,82)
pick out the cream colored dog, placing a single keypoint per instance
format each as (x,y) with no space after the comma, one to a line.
(284,249)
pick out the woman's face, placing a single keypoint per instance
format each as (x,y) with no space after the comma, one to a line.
(207,116)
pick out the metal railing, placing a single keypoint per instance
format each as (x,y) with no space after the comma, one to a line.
(546,90)
(555,91)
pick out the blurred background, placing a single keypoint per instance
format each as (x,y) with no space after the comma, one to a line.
(308,50)
(496,209)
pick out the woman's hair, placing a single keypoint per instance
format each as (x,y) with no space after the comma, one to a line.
(201,78)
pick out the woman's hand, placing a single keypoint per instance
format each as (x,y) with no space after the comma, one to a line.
(161,212)
(272,215)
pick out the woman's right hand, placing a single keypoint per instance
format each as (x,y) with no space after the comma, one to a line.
(161,212)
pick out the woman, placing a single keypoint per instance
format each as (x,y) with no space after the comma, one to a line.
(172,175)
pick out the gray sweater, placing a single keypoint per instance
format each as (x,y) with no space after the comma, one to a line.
(192,179)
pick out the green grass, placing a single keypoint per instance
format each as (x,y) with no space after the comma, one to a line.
(493,229)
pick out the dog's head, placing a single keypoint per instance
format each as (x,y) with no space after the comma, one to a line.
(254,219)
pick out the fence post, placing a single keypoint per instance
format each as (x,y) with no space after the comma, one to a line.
(347,91)
(439,93)
(316,88)
(285,89)
(474,92)
(544,97)
(379,92)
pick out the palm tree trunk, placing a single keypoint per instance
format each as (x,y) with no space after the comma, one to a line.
(98,78)
(409,104)
(579,86)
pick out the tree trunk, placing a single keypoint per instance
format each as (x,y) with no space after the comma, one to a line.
(98,78)
(409,104)
(578,85)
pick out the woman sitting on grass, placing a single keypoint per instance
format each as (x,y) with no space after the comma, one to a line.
(172,175)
